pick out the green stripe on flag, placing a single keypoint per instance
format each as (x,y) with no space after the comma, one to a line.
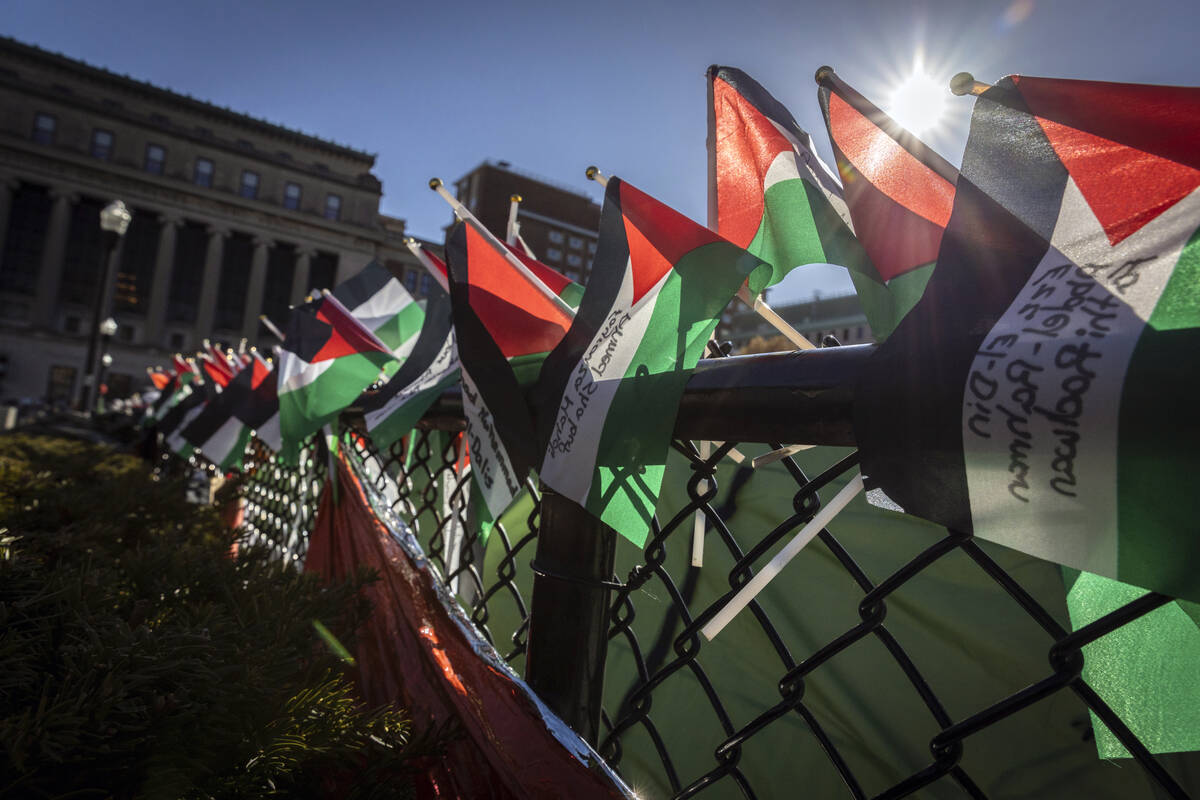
(1158,438)
(640,419)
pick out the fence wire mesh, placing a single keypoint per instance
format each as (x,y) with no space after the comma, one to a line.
(891,658)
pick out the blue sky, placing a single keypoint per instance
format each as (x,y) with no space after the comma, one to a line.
(435,88)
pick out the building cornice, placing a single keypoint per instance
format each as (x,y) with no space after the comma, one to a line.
(181,101)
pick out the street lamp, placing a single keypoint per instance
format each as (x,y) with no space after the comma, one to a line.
(114,221)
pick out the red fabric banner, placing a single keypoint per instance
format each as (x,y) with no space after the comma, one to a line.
(412,652)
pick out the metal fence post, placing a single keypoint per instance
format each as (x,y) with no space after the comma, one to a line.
(568,617)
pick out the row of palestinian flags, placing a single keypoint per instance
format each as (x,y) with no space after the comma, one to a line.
(1038,313)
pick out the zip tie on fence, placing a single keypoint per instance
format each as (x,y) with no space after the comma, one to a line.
(756,584)
(779,455)
(612,583)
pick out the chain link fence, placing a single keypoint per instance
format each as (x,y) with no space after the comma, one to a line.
(892,657)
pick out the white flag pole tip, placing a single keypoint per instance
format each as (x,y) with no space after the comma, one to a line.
(773,567)
(964,83)
(593,173)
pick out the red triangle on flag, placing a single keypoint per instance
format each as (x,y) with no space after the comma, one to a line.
(1130,149)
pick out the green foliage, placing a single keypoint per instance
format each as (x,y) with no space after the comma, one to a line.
(138,658)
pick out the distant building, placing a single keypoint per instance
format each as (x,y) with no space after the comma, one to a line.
(232,217)
(840,316)
(559,224)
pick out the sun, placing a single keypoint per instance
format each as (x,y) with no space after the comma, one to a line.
(919,102)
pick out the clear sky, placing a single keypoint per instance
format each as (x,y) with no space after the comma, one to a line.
(434,88)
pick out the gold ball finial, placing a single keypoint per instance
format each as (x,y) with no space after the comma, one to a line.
(516,198)
(435,183)
(823,74)
(409,240)
(962,83)
(591,173)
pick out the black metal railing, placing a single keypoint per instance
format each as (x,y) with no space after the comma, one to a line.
(891,658)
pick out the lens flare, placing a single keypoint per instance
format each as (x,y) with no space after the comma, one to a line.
(918,103)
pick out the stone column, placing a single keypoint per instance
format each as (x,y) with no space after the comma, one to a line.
(254,290)
(160,284)
(8,185)
(206,308)
(53,251)
(300,287)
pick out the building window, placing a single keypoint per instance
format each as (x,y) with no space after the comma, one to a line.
(176,341)
(72,324)
(859,333)
(291,196)
(426,284)
(61,386)
(125,332)
(555,236)
(575,243)
(592,248)
(204,172)
(156,159)
(410,280)
(44,126)
(102,144)
(333,206)
(574,260)
(249,186)
(553,254)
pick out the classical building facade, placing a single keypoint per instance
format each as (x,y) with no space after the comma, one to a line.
(559,225)
(233,217)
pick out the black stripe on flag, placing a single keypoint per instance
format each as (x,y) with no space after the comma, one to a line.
(306,335)
(200,394)
(761,99)
(488,367)
(360,288)
(909,398)
(219,410)
(261,403)
(436,327)
(603,287)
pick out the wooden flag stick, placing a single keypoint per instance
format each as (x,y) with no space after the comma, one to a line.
(777,322)
(700,523)
(594,174)
(270,326)
(466,216)
(748,592)
(417,250)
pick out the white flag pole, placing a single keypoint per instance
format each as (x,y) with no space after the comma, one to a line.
(417,250)
(466,216)
(700,523)
(773,567)
(513,230)
(270,326)
(779,455)
(777,322)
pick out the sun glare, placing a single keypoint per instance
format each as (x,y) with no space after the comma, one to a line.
(919,103)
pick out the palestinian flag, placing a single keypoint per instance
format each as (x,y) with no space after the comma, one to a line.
(1041,393)
(431,368)
(773,195)
(378,301)
(187,409)
(608,394)
(899,193)
(216,371)
(219,435)
(504,327)
(328,358)
(259,410)
(170,398)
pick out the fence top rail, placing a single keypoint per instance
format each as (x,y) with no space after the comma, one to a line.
(805,396)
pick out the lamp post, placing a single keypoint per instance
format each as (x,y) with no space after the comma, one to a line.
(114,221)
(107,329)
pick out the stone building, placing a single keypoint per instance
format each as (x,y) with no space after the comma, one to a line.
(559,224)
(232,217)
